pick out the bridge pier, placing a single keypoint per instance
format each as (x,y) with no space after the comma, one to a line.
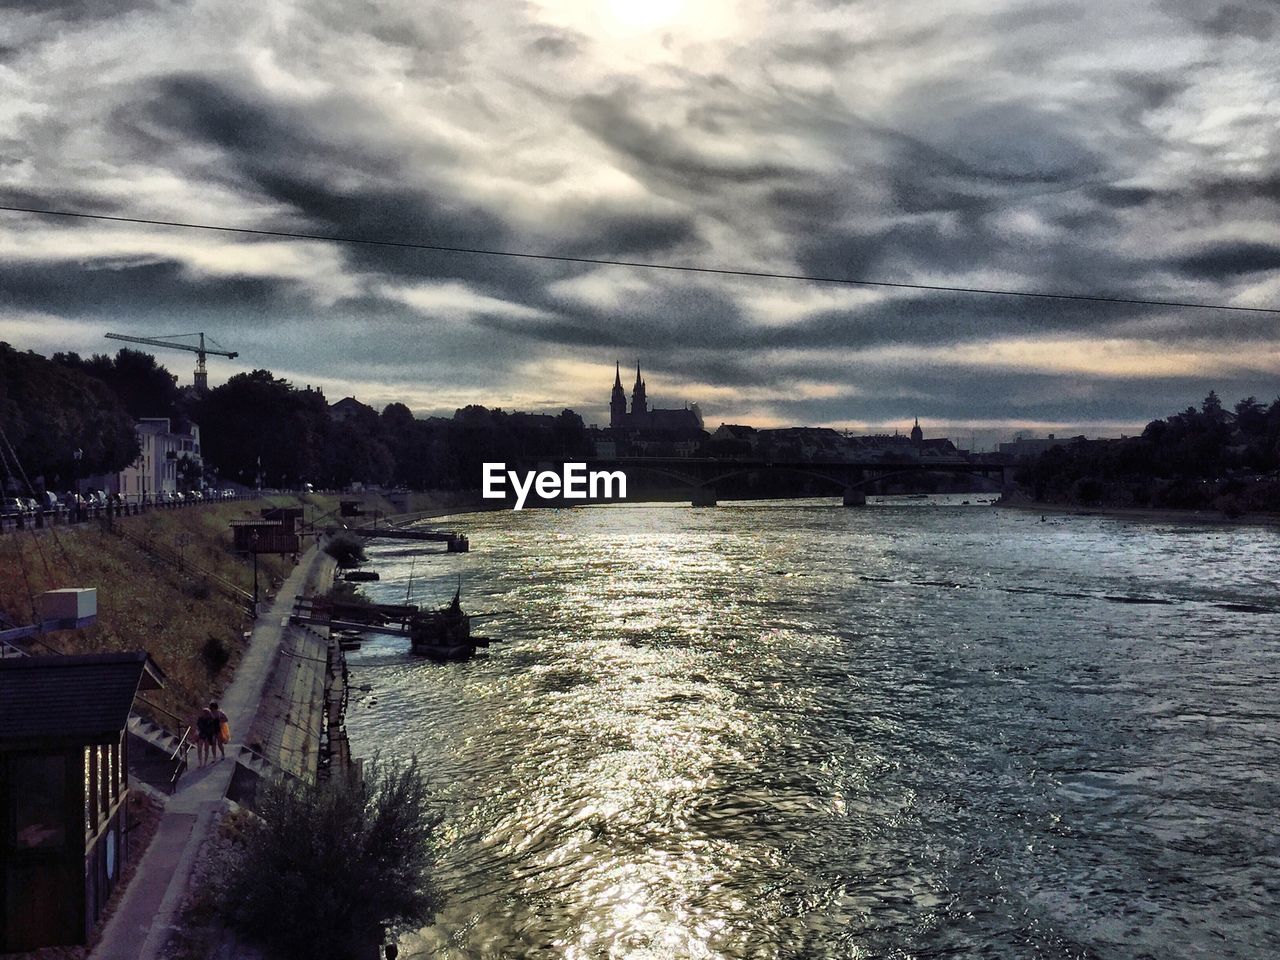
(855,497)
(704,496)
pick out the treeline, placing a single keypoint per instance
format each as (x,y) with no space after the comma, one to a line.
(67,417)
(259,425)
(58,423)
(1206,458)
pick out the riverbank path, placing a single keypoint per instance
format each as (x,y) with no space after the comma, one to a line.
(143,920)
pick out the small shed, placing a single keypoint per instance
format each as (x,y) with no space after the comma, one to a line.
(272,536)
(293,518)
(64,788)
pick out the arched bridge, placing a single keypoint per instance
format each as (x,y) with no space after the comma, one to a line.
(848,479)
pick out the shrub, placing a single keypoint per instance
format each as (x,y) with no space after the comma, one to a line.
(214,653)
(347,549)
(348,593)
(325,868)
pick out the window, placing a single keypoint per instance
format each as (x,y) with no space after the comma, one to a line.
(104,779)
(38,800)
(90,792)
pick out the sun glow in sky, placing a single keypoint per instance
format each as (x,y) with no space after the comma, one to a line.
(646,14)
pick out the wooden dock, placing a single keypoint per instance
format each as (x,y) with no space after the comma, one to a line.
(456,542)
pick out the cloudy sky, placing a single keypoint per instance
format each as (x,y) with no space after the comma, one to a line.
(1091,147)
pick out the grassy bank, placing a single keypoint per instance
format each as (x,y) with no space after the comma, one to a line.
(194,632)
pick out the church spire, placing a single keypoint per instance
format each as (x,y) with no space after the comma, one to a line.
(639,405)
(618,399)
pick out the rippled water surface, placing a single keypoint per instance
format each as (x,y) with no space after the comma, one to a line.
(796,730)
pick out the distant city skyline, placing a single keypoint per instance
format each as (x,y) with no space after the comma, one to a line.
(1083,148)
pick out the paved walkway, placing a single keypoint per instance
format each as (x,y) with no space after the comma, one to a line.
(142,921)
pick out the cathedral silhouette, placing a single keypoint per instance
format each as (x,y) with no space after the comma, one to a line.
(642,418)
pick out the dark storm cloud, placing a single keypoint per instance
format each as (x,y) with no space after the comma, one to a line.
(286,155)
(656,325)
(1255,21)
(1220,198)
(1230,259)
(557,45)
(614,230)
(156,290)
(1152,91)
(81,201)
(923,320)
(659,151)
(75,10)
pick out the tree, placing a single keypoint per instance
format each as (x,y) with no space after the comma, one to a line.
(347,549)
(1251,416)
(145,388)
(326,867)
(48,412)
(258,422)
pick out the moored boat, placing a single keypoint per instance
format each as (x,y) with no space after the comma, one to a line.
(443,634)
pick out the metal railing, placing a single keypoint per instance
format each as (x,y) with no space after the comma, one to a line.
(179,759)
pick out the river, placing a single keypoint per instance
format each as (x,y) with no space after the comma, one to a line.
(917,729)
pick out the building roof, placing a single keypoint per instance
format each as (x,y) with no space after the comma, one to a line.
(82,698)
(349,407)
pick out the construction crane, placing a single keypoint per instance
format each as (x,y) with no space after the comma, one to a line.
(202,375)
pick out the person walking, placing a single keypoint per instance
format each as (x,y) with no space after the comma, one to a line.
(206,734)
(222,729)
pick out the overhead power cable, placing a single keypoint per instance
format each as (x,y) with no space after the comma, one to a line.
(639,264)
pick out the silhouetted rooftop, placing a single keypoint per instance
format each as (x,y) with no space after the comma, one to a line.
(83,698)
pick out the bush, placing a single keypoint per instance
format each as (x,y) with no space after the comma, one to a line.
(347,549)
(325,868)
(214,653)
(349,594)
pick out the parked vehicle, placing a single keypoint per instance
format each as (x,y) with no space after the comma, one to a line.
(11,507)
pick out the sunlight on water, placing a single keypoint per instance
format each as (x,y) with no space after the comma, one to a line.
(792,730)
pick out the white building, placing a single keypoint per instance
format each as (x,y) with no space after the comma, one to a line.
(156,469)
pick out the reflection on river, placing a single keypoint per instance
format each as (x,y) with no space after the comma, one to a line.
(795,730)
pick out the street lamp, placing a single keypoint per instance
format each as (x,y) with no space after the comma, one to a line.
(253,546)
